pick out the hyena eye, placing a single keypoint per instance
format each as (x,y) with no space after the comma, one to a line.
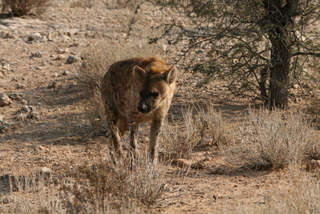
(155,94)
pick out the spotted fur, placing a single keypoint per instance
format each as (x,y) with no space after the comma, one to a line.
(136,91)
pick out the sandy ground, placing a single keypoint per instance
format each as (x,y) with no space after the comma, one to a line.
(40,58)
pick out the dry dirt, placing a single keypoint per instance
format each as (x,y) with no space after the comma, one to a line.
(40,58)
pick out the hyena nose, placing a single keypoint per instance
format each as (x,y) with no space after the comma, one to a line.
(143,108)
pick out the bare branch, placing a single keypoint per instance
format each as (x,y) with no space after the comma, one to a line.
(305,54)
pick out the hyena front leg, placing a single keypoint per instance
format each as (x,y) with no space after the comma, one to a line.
(134,129)
(153,145)
(132,153)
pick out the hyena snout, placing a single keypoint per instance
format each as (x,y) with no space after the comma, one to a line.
(144,107)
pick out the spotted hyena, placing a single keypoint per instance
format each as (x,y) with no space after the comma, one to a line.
(135,91)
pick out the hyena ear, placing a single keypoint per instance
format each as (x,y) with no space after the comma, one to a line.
(171,75)
(138,73)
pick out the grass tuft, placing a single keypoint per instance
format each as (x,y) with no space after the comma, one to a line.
(277,139)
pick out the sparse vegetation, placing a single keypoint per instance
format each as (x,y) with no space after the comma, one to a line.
(24,7)
(231,160)
(102,185)
(200,127)
(277,139)
(105,185)
(257,50)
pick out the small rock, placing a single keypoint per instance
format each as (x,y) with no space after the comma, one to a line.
(3,128)
(64,38)
(39,148)
(34,115)
(35,37)
(52,84)
(50,37)
(296,86)
(32,108)
(24,102)
(4,100)
(53,116)
(20,117)
(218,171)
(25,109)
(72,59)
(66,73)
(75,45)
(36,54)
(62,51)
(5,67)
(5,200)
(20,86)
(45,171)
(61,57)
(1,119)
(15,96)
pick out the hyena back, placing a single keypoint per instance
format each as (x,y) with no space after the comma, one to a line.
(136,91)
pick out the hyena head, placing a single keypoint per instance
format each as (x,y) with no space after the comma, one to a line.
(156,88)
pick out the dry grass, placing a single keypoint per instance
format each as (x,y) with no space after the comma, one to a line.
(102,185)
(24,7)
(277,139)
(30,192)
(110,185)
(199,127)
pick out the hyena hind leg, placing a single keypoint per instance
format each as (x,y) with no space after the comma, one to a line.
(116,134)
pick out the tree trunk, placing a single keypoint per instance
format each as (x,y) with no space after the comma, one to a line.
(279,72)
(277,24)
(264,74)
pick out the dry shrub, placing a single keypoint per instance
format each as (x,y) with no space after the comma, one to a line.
(109,185)
(205,127)
(213,127)
(24,7)
(277,139)
(31,193)
(102,185)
